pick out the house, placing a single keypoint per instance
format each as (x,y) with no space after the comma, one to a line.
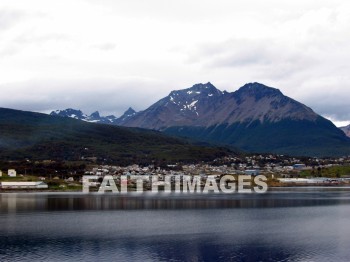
(12,173)
(24,185)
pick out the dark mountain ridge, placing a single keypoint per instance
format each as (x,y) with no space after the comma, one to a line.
(40,136)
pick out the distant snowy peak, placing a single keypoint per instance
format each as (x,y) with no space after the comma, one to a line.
(95,117)
(188,100)
(70,112)
(78,114)
(127,114)
(198,91)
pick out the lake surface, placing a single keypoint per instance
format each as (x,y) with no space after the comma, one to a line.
(305,224)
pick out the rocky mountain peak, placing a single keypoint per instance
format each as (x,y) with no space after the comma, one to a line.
(78,114)
(208,87)
(197,90)
(129,112)
(258,91)
(69,112)
(95,115)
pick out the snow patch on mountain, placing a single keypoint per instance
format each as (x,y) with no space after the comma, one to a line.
(94,117)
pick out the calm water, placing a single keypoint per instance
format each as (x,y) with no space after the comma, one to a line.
(285,225)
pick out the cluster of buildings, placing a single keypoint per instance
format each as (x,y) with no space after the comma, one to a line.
(282,169)
(277,168)
(253,165)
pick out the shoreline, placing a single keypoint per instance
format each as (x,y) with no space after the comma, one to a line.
(134,192)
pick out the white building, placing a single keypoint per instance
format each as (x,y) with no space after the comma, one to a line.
(24,185)
(12,173)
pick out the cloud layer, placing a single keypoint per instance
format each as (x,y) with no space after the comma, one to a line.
(109,55)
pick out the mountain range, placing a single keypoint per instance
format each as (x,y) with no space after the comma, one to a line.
(255,118)
(94,117)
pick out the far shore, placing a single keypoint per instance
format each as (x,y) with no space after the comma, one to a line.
(133,191)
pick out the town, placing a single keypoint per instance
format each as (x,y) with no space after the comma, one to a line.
(279,170)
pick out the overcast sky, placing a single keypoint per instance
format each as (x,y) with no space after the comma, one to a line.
(108,55)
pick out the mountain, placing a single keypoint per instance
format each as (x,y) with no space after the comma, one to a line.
(204,105)
(78,114)
(40,136)
(128,113)
(69,112)
(346,130)
(255,118)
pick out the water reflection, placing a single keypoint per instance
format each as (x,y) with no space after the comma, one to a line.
(283,234)
(278,226)
(161,249)
(54,201)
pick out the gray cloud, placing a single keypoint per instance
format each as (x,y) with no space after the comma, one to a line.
(9,50)
(310,66)
(30,38)
(106,46)
(132,53)
(266,57)
(329,96)
(108,96)
(9,18)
